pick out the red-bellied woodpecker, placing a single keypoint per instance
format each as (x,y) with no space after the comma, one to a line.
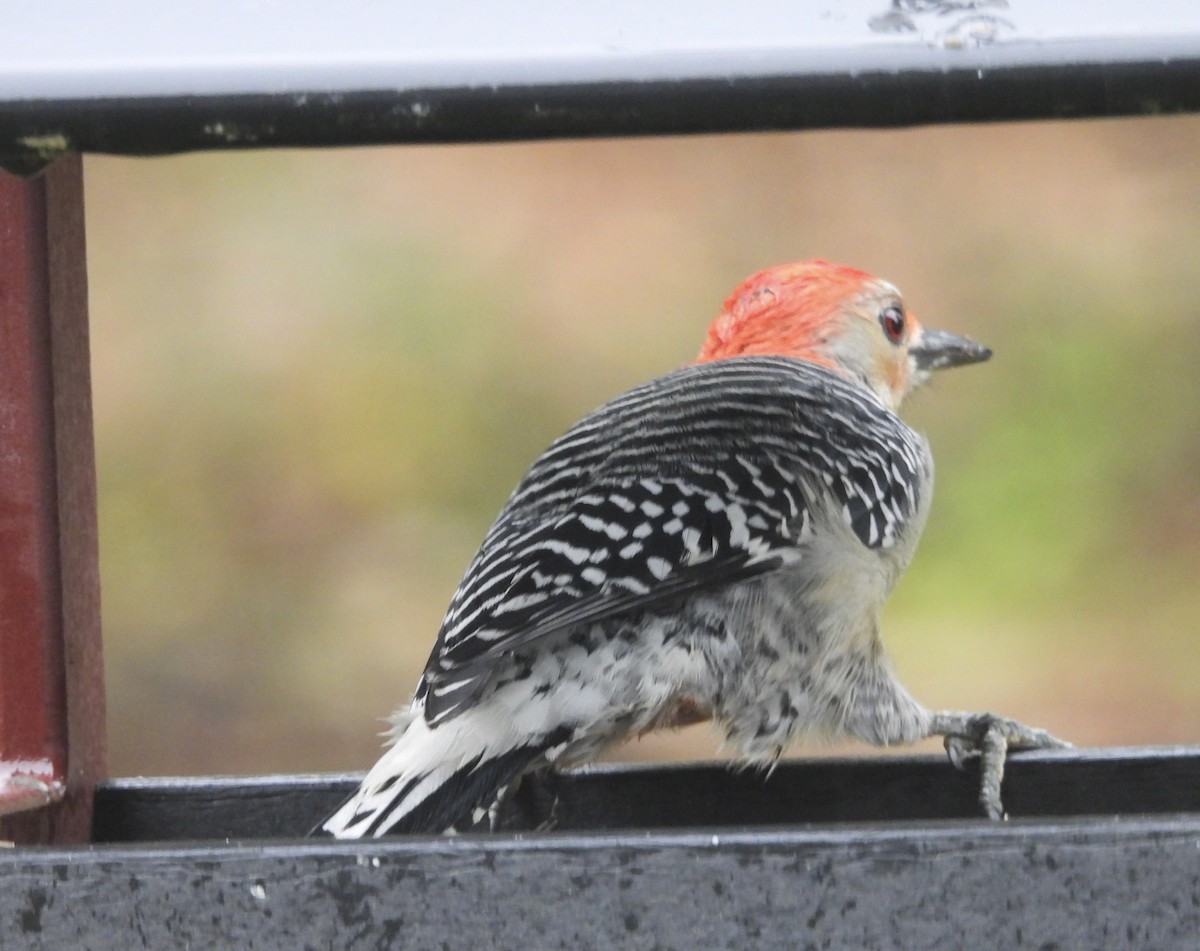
(716,544)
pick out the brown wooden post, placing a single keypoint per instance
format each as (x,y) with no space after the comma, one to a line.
(52,731)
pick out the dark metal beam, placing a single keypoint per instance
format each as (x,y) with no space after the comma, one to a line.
(34,132)
(1026,884)
(828,853)
(1071,783)
(484,72)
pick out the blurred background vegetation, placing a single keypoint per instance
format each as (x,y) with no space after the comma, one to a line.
(319,374)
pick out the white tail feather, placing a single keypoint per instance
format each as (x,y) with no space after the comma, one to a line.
(420,761)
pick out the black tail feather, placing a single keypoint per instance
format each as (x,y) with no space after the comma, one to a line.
(472,798)
(479,784)
(475,786)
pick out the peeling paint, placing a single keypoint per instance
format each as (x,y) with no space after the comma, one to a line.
(28,784)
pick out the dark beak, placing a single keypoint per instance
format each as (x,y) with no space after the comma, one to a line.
(938,350)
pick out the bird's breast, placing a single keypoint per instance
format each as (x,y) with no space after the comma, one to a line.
(839,585)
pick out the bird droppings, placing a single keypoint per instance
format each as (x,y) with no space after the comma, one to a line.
(46,146)
(971,30)
(974,31)
(232,133)
(258,892)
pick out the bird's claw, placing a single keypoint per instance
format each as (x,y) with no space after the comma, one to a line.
(990,737)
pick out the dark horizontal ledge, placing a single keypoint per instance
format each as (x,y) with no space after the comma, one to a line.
(1079,883)
(829,853)
(1074,783)
(33,131)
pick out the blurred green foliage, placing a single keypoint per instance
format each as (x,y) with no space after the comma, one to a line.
(318,375)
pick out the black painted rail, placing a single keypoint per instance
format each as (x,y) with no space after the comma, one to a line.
(704,795)
(1104,853)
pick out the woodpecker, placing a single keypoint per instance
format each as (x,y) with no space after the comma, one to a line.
(716,544)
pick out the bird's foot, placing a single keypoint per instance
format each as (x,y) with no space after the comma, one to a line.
(991,737)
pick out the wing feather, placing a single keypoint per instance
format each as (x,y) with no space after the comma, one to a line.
(705,477)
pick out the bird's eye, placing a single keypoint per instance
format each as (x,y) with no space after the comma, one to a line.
(892,321)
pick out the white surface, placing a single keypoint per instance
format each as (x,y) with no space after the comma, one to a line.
(92,48)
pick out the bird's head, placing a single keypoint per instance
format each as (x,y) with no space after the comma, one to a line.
(840,318)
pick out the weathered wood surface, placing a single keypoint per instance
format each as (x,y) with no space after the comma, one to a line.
(1029,884)
(52,742)
(853,854)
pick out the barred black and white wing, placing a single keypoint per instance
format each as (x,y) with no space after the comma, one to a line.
(705,477)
